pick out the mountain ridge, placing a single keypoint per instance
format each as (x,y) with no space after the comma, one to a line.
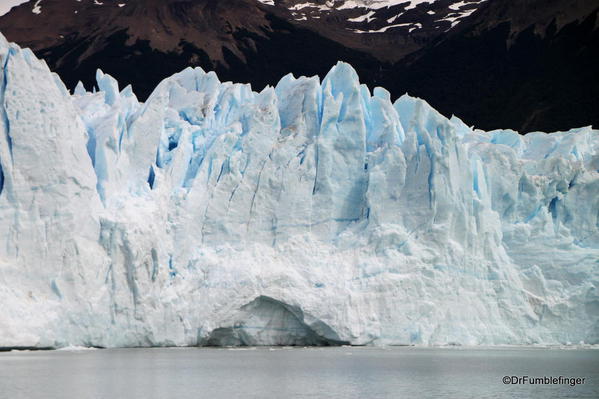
(492,68)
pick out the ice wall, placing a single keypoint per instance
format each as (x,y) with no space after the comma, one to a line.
(360,220)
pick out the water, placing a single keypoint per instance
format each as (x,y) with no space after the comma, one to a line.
(340,373)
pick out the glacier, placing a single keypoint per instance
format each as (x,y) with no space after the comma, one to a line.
(309,213)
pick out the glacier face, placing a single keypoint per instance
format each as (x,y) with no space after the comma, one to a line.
(309,212)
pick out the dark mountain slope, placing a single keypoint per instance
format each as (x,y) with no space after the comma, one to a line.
(527,65)
(260,58)
(147,41)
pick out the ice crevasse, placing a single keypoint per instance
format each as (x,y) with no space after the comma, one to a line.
(309,213)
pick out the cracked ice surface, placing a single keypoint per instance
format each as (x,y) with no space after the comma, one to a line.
(126,223)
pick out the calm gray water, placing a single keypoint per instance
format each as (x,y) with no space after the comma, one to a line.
(344,373)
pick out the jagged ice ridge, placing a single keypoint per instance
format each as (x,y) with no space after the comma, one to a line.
(309,213)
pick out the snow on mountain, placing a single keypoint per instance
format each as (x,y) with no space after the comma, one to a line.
(6,5)
(383,13)
(309,213)
(303,11)
(345,4)
(36,5)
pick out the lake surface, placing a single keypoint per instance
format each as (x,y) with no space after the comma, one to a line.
(345,373)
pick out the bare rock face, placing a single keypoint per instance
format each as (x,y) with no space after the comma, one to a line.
(529,64)
(526,65)
(243,40)
(78,37)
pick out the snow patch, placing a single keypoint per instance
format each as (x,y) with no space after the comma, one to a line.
(37,8)
(7,5)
